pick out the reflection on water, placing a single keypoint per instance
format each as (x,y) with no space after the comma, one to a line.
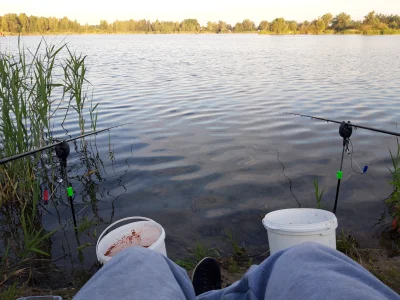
(200,157)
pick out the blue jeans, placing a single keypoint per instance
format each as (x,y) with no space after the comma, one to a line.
(307,271)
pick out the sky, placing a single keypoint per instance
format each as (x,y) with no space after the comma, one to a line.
(230,11)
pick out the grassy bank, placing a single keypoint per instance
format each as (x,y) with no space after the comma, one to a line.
(383,263)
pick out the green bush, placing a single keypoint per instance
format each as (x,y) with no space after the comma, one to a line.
(265,32)
(390,31)
(350,31)
(393,201)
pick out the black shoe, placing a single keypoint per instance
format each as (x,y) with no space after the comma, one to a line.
(206,276)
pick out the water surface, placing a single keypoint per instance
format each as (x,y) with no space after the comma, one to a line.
(201,154)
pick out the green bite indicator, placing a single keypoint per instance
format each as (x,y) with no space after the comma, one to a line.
(70,191)
(339,175)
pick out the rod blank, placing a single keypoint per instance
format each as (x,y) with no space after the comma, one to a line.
(8,159)
(350,124)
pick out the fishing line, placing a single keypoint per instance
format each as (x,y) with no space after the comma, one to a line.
(290,181)
(362,172)
(345,131)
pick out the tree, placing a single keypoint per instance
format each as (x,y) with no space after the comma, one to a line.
(327,18)
(393,25)
(238,28)
(248,25)
(320,26)
(53,24)
(32,23)
(156,26)
(341,22)
(24,22)
(103,25)
(42,25)
(372,20)
(222,27)
(190,25)
(4,24)
(279,26)
(10,23)
(304,28)
(355,25)
(64,24)
(212,27)
(264,25)
(292,25)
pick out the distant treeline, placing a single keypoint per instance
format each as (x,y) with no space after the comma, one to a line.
(327,24)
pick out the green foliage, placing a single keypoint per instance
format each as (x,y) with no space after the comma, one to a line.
(390,31)
(327,18)
(341,22)
(220,27)
(232,265)
(33,238)
(223,27)
(186,263)
(248,25)
(279,26)
(28,83)
(212,27)
(264,26)
(393,201)
(201,251)
(347,244)
(13,23)
(318,195)
(25,244)
(238,28)
(10,293)
(372,20)
(292,25)
(85,226)
(350,31)
(190,25)
(237,250)
(320,26)
(197,254)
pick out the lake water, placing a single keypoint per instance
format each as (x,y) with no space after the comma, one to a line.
(200,156)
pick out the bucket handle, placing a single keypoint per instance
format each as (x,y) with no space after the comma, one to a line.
(119,221)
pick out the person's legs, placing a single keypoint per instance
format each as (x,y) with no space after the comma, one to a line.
(306,271)
(138,273)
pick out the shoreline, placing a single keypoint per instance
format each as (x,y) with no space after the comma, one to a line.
(383,262)
(192,33)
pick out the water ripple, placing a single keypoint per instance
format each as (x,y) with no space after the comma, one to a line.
(207,123)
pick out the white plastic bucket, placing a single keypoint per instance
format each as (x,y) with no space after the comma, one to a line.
(151,235)
(290,227)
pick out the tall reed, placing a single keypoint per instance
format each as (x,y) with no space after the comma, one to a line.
(38,89)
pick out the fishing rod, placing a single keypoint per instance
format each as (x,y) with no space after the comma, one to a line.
(21,155)
(62,151)
(349,124)
(345,131)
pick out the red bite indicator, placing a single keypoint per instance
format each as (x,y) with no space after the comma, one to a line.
(45,196)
